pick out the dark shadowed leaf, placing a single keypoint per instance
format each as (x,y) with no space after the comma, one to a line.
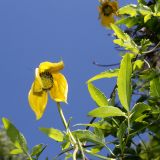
(137,112)
(15,136)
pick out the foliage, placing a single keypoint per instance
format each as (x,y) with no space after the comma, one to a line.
(6,146)
(133,108)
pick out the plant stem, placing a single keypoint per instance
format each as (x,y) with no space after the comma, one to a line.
(30,158)
(98,155)
(109,150)
(28,155)
(75,152)
(65,123)
(129,127)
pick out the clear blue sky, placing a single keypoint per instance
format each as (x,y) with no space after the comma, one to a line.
(32,31)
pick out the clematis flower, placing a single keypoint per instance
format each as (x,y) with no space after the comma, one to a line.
(48,79)
(107,10)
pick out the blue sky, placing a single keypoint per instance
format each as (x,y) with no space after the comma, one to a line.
(33,31)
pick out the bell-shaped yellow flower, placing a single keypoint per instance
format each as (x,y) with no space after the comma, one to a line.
(107,10)
(47,79)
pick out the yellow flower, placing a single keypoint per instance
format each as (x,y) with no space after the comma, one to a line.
(47,79)
(107,10)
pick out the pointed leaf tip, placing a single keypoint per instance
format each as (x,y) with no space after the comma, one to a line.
(124,81)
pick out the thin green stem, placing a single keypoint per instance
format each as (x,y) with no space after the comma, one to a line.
(30,158)
(110,150)
(129,127)
(75,152)
(98,155)
(65,123)
(153,49)
(81,149)
(28,155)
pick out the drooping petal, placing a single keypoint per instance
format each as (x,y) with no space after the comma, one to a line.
(114,6)
(37,84)
(107,20)
(37,102)
(59,90)
(51,67)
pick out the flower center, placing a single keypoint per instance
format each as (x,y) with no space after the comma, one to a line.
(107,10)
(47,80)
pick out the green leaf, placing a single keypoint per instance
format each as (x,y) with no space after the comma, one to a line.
(145,43)
(149,74)
(137,112)
(129,44)
(137,128)
(22,141)
(68,156)
(85,135)
(106,74)
(157,14)
(65,145)
(96,149)
(140,118)
(55,134)
(124,40)
(142,2)
(100,124)
(120,34)
(130,9)
(144,10)
(138,64)
(15,136)
(128,21)
(108,111)
(36,149)
(124,82)
(120,134)
(98,155)
(16,151)
(12,132)
(97,95)
(147,17)
(99,133)
(157,7)
(155,87)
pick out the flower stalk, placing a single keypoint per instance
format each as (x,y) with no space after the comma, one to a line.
(65,124)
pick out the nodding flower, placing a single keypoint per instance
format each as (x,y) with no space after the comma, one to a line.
(48,79)
(107,11)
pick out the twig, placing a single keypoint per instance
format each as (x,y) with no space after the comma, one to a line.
(105,65)
(152,50)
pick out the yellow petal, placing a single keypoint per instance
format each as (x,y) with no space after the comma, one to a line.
(59,90)
(107,20)
(114,6)
(38,102)
(51,67)
(37,85)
